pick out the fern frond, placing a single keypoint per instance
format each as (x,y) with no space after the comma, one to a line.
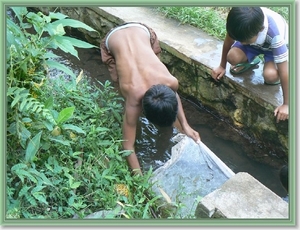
(39,196)
(30,199)
(26,103)
(41,177)
(22,173)
(18,166)
(24,190)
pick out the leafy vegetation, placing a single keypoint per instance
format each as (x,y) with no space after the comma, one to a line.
(211,20)
(64,156)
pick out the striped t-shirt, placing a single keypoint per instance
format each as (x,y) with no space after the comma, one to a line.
(274,37)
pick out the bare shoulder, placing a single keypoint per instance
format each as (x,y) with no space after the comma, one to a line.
(172,82)
(133,95)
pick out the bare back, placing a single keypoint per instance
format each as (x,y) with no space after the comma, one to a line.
(137,65)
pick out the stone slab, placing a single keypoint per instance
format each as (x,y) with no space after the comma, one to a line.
(242,196)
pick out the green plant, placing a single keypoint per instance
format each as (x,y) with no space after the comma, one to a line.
(30,36)
(204,18)
(211,20)
(28,59)
(64,153)
(29,118)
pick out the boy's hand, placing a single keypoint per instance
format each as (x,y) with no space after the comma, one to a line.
(218,73)
(281,113)
(192,134)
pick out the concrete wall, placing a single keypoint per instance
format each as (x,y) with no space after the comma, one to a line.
(248,111)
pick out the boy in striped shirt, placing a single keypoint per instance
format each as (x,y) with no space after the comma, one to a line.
(252,31)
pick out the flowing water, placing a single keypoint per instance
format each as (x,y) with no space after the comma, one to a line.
(153,145)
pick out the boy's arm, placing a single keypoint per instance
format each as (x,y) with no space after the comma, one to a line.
(282,112)
(129,134)
(219,71)
(184,124)
(226,47)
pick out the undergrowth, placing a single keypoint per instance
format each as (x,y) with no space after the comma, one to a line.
(63,155)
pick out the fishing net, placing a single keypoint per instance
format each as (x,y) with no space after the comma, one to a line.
(192,172)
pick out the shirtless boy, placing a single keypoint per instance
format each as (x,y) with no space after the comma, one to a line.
(131,52)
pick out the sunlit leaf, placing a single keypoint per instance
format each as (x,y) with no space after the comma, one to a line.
(65,115)
(57,15)
(75,185)
(59,66)
(73,127)
(73,23)
(79,43)
(79,77)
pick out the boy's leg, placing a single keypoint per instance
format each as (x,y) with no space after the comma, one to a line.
(270,73)
(236,56)
(242,57)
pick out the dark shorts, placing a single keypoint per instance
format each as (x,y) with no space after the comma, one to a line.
(251,52)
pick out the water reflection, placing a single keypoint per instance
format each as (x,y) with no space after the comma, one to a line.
(153,144)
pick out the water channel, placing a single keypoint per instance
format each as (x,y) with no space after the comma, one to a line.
(153,145)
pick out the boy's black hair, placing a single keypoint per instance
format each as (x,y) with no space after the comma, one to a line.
(284,177)
(243,23)
(160,105)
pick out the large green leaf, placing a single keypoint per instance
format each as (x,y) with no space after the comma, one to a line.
(57,15)
(19,12)
(18,166)
(59,66)
(33,147)
(22,96)
(79,43)
(73,23)
(50,55)
(66,143)
(49,103)
(73,128)
(13,35)
(55,29)
(65,45)
(37,22)
(65,115)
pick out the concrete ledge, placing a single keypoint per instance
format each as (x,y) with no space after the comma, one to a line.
(242,196)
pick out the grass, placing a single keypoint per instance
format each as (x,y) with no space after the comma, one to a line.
(211,20)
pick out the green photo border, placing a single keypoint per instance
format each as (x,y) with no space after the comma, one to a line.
(168,222)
